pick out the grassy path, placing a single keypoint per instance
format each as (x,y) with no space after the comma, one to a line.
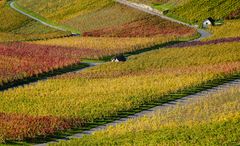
(41,19)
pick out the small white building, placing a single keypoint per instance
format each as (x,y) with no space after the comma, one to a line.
(119,58)
(115,60)
(208,22)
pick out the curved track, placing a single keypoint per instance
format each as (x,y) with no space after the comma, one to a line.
(12,4)
(203,33)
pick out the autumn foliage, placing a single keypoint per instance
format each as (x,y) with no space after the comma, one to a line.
(20,127)
(130,84)
(20,60)
(234,14)
(148,27)
(210,42)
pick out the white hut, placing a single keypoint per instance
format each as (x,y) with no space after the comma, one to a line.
(208,22)
(119,58)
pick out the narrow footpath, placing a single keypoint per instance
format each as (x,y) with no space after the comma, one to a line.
(14,6)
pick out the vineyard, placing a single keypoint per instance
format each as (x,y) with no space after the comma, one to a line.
(18,127)
(66,9)
(16,27)
(201,43)
(147,27)
(230,29)
(84,14)
(56,83)
(234,15)
(72,49)
(131,22)
(108,45)
(162,2)
(166,71)
(19,60)
(210,120)
(196,13)
(31,59)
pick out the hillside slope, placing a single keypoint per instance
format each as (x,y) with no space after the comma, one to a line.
(85,15)
(92,15)
(195,11)
(103,19)
(71,100)
(65,9)
(143,79)
(15,26)
(209,120)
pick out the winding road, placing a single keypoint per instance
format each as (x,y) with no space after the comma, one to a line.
(13,5)
(184,100)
